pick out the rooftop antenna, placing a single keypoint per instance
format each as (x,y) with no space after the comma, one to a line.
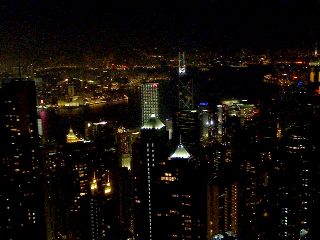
(316,50)
(182,64)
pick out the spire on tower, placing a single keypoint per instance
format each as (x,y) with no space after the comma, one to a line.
(94,184)
(182,64)
(107,188)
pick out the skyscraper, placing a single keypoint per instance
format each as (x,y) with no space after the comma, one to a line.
(21,200)
(185,86)
(186,120)
(148,155)
(174,211)
(149,101)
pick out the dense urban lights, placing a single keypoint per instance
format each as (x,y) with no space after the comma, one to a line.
(159,120)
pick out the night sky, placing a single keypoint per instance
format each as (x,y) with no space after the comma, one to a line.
(42,28)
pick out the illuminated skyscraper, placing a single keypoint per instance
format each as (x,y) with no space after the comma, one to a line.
(186,121)
(187,125)
(185,86)
(149,101)
(174,212)
(150,152)
(21,200)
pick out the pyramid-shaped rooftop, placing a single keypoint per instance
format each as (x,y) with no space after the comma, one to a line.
(153,123)
(180,152)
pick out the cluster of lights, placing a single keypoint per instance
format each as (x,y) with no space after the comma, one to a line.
(94,185)
(107,188)
(168,177)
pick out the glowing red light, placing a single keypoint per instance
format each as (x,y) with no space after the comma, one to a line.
(155,85)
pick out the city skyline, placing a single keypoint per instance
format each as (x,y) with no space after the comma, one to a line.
(162,120)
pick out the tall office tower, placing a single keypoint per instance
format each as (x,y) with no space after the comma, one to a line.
(185,86)
(148,155)
(174,212)
(21,200)
(125,138)
(186,121)
(187,125)
(149,101)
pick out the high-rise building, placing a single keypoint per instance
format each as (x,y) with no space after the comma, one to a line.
(174,212)
(187,126)
(149,101)
(185,86)
(21,198)
(186,120)
(148,155)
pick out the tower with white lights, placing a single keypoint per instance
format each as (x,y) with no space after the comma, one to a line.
(185,86)
(150,154)
(186,122)
(149,101)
